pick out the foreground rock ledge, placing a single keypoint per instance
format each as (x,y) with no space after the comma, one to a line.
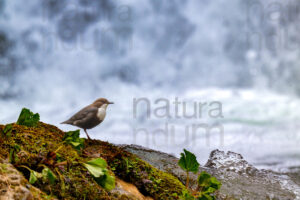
(43,145)
(141,173)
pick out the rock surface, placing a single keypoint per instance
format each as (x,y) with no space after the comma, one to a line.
(13,185)
(240,180)
(128,191)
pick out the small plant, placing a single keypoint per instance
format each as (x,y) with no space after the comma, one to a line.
(27,118)
(72,138)
(207,184)
(98,168)
(188,163)
(46,175)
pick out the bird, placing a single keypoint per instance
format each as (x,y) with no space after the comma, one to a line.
(89,116)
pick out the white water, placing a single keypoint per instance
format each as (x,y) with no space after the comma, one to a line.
(193,50)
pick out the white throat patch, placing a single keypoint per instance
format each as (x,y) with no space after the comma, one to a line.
(102,112)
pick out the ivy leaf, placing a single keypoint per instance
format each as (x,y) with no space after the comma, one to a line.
(34,176)
(107,181)
(71,135)
(208,184)
(72,138)
(47,174)
(75,144)
(188,162)
(98,168)
(215,183)
(204,179)
(27,118)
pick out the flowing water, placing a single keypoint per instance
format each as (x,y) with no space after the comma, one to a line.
(56,56)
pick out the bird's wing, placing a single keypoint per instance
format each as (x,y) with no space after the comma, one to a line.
(88,121)
(83,114)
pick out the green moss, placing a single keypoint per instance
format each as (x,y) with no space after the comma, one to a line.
(149,180)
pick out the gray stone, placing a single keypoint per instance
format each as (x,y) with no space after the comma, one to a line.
(240,180)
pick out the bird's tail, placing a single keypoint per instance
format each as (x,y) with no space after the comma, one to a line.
(66,122)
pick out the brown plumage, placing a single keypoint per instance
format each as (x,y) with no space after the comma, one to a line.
(90,116)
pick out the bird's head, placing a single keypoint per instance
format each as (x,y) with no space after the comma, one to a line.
(102,101)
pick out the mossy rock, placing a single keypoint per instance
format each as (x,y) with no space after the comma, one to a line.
(43,146)
(149,180)
(73,180)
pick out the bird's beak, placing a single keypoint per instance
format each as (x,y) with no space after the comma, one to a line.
(111,103)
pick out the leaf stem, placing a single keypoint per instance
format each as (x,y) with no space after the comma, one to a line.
(23,166)
(187,179)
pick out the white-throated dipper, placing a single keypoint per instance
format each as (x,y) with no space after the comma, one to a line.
(90,116)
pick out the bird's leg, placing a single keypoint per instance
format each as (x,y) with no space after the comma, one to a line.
(87,134)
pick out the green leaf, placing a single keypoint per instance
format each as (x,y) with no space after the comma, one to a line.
(75,144)
(208,182)
(47,174)
(71,135)
(27,118)
(98,168)
(204,179)
(215,183)
(188,162)
(208,185)
(209,190)
(72,138)
(186,196)
(34,176)
(107,181)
